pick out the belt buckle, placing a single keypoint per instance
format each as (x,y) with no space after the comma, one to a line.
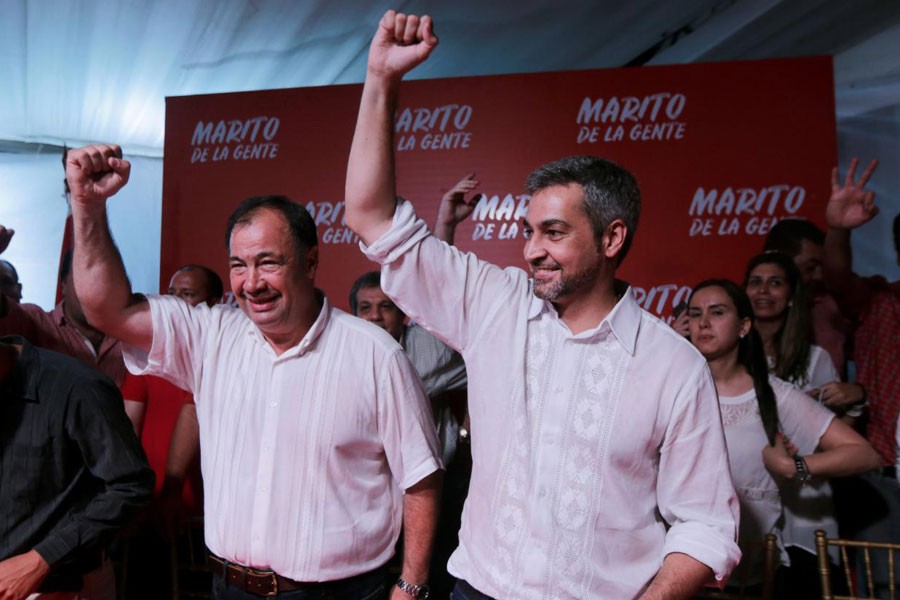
(273,577)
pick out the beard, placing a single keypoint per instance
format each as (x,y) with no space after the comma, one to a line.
(567,283)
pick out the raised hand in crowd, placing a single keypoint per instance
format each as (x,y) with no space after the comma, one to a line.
(6,236)
(95,173)
(401,42)
(851,205)
(455,208)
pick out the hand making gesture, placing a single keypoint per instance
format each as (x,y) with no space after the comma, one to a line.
(851,205)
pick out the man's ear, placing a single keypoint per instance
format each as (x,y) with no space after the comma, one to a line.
(614,238)
(312,262)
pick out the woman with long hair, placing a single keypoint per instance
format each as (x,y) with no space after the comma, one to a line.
(782,312)
(771,428)
(781,308)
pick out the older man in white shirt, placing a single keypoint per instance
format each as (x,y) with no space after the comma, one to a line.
(599,462)
(313,423)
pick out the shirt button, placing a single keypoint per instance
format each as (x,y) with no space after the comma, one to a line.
(559,390)
(274,404)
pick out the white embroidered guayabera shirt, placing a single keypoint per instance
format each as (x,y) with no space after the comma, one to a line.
(595,455)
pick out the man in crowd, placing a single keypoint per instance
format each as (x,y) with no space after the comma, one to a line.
(64,329)
(802,241)
(71,474)
(443,374)
(165,419)
(599,462)
(874,304)
(313,423)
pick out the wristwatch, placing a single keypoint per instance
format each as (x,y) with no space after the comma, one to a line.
(802,475)
(420,592)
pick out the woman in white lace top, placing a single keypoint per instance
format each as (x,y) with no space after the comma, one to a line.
(771,428)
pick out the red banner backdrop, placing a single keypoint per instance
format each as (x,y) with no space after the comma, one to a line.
(721,152)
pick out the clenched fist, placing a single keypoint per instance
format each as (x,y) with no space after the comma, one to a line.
(96,172)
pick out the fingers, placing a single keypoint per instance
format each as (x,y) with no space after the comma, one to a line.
(407,30)
(426,31)
(412,28)
(851,172)
(867,173)
(835,179)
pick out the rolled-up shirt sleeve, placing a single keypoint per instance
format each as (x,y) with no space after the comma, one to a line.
(694,490)
(450,293)
(179,332)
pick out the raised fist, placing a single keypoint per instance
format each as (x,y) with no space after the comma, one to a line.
(96,172)
(400,43)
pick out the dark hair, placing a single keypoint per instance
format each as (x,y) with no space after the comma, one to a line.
(300,222)
(65,264)
(787,236)
(794,338)
(751,354)
(12,269)
(213,282)
(610,192)
(372,279)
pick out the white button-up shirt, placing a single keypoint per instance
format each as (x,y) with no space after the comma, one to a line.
(305,456)
(594,455)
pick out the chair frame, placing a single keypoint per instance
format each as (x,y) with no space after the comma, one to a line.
(822,543)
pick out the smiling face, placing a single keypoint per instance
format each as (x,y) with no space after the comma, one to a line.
(374,306)
(560,246)
(271,280)
(770,291)
(715,326)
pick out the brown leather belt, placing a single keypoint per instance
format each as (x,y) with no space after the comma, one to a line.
(255,581)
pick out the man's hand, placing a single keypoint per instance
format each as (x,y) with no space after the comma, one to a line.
(21,575)
(95,173)
(455,207)
(5,237)
(851,205)
(400,44)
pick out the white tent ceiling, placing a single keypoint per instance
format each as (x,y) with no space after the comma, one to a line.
(76,71)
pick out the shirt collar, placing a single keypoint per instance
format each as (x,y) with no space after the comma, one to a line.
(309,340)
(623,320)
(26,375)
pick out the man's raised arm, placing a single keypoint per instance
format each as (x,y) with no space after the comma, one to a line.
(400,43)
(94,174)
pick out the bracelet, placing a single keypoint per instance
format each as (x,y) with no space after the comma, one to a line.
(420,592)
(802,475)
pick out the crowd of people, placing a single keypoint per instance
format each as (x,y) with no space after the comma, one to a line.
(469,431)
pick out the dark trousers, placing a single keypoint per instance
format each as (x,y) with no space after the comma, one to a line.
(369,586)
(464,591)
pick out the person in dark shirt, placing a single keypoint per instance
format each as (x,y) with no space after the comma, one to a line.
(71,469)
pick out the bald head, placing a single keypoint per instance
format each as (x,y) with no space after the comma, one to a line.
(196,284)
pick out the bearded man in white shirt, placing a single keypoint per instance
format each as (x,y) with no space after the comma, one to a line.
(599,462)
(316,437)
